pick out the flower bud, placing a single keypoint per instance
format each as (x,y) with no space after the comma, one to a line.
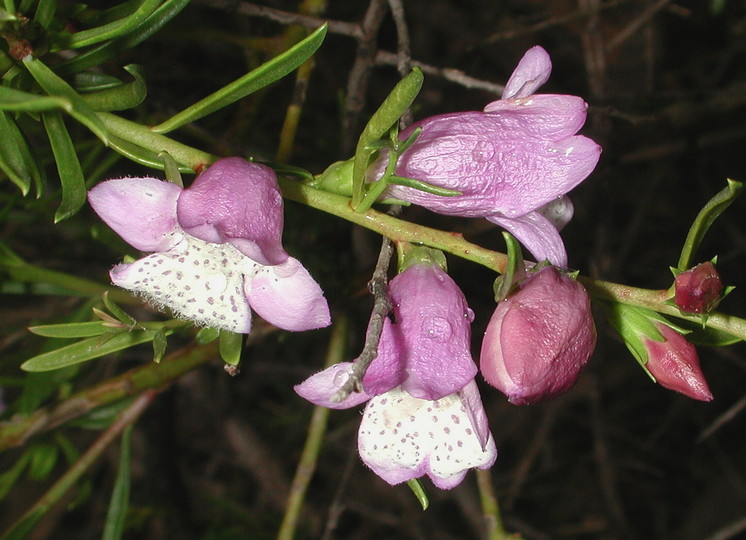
(699,289)
(675,364)
(539,338)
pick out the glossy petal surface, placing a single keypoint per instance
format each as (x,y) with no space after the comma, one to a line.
(140,210)
(238,202)
(674,363)
(320,388)
(539,339)
(532,71)
(538,234)
(287,296)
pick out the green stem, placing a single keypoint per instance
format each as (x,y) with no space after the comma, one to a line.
(135,381)
(312,448)
(29,273)
(402,231)
(490,507)
(29,519)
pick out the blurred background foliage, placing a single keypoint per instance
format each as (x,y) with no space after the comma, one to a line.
(213,456)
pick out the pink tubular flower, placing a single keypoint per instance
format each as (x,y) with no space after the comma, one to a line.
(508,161)
(217,248)
(424,414)
(699,289)
(539,338)
(675,364)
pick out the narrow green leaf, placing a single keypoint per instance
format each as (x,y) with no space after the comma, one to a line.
(10,476)
(71,330)
(114,29)
(140,155)
(704,219)
(260,77)
(120,496)
(109,50)
(44,15)
(384,119)
(56,86)
(422,186)
(87,349)
(16,158)
(22,529)
(122,97)
(17,100)
(91,81)
(71,176)
(230,347)
(171,168)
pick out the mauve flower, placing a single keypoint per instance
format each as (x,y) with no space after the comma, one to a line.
(509,161)
(675,364)
(424,414)
(217,248)
(699,289)
(539,338)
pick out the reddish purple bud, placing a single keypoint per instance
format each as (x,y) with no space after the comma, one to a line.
(699,289)
(675,364)
(539,338)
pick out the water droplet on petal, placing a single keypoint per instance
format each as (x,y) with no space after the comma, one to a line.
(483,151)
(340,377)
(437,328)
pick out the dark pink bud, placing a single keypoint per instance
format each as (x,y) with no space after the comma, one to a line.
(675,364)
(539,339)
(699,289)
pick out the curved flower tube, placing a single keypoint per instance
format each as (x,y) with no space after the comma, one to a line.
(424,414)
(217,250)
(509,161)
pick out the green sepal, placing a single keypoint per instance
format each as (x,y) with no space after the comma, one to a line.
(515,271)
(635,325)
(124,317)
(410,254)
(382,121)
(54,85)
(704,220)
(422,186)
(69,170)
(256,79)
(207,335)
(71,330)
(88,349)
(419,492)
(171,168)
(121,97)
(160,344)
(230,347)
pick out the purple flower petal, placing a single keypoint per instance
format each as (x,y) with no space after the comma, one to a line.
(140,210)
(199,281)
(433,320)
(497,168)
(550,117)
(287,296)
(402,437)
(532,71)
(238,202)
(388,369)
(538,234)
(322,386)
